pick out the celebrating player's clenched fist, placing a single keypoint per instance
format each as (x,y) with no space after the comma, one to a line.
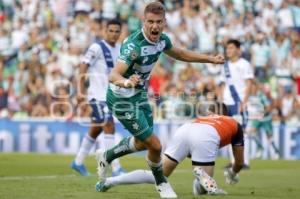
(218,59)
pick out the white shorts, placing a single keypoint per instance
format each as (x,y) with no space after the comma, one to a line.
(200,141)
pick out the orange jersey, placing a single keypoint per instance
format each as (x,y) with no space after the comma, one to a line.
(226,127)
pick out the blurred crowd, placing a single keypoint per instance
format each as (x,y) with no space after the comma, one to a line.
(42,42)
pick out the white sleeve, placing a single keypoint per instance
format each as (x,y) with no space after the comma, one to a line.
(248,71)
(223,76)
(91,54)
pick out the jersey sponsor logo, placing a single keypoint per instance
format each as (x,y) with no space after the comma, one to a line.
(145,60)
(121,148)
(161,45)
(152,50)
(144,68)
(130,46)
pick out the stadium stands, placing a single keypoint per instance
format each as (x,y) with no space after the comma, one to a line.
(41,43)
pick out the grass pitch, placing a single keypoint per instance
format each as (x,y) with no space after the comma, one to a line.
(34,176)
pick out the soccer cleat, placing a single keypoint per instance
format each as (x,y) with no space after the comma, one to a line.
(120,171)
(230,177)
(246,167)
(259,153)
(165,190)
(81,169)
(275,156)
(207,182)
(101,186)
(219,192)
(103,165)
(198,189)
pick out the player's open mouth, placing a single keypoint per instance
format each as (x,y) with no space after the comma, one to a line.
(154,33)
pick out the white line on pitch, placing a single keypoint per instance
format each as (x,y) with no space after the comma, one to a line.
(49,177)
(36,177)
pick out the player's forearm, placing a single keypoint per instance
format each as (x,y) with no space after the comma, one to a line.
(82,79)
(191,56)
(238,153)
(119,80)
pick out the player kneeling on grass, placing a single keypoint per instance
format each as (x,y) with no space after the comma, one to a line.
(200,140)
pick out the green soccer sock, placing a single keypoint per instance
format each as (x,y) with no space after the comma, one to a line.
(157,171)
(125,146)
(258,143)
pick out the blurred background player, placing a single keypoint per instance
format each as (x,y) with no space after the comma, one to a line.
(98,61)
(200,140)
(127,93)
(237,79)
(260,121)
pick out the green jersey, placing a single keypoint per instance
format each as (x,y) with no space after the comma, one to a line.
(256,106)
(140,55)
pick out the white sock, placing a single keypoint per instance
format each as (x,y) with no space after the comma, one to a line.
(108,141)
(86,145)
(247,149)
(134,177)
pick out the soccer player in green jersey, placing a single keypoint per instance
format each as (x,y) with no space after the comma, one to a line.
(127,93)
(259,109)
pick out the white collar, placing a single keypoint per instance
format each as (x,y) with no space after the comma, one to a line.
(107,44)
(148,40)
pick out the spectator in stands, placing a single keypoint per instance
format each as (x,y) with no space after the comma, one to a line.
(260,54)
(289,105)
(3,102)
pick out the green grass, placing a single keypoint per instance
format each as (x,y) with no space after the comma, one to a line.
(33,176)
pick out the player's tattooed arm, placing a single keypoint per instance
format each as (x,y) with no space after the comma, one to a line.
(116,76)
(192,56)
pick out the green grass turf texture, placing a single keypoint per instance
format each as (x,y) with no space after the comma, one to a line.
(35,176)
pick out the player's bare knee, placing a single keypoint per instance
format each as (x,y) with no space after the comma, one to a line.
(139,145)
(153,144)
(155,147)
(95,131)
(109,128)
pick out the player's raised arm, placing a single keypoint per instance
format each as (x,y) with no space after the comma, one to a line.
(116,76)
(192,56)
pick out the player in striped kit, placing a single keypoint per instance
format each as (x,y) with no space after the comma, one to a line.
(96,65)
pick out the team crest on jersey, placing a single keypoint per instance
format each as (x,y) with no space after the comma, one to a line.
(133,55)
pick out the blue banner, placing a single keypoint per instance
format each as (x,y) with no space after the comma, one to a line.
(48,136)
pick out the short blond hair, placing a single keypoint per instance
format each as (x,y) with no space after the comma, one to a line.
(155,8)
